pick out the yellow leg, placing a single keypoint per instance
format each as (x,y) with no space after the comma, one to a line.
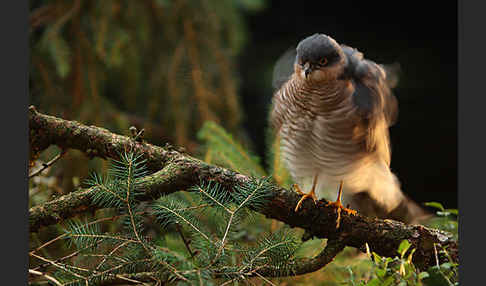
(311,194)
(339,207)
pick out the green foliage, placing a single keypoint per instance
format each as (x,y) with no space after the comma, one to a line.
(222,149)
(83,235)
(211,235)
(277,249)
(188,249)
(120,187)
(400,271)
(219,249)
(446,219)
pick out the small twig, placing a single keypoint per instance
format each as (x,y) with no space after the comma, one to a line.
(263,251)
(108,271)
(436,257)
(174,270)
(193,208)
(50,278)
(129,207)
(47,165)
(130,280)
(186,242)
(228,282)
(67,256)
(57,265)
(264,279)
(137,135)
(200,278)
(188,223)
(230,221)
(438,266)
(110,254)
(113,218)
(213,199)
(104,236)
(49,242)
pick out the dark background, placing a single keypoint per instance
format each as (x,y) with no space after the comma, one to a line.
(421,36)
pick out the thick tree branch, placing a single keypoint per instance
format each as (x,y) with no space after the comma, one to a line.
(175,171)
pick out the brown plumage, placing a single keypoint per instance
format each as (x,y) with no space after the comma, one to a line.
(332,116)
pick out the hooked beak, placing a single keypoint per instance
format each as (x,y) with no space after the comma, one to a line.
(307,69)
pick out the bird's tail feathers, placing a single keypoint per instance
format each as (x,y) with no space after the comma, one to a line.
(376,179)
(384,199)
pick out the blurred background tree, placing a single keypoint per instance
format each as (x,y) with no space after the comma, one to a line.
(165,66)
(166,63)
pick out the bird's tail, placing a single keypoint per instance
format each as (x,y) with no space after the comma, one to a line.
(406,211)
(384,198)
(410,212)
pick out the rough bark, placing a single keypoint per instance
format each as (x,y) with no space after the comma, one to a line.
(175,171)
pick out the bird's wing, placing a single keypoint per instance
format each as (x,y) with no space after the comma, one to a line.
(282,72)
(392,72)
(376,106)
(284,68)
(372,95)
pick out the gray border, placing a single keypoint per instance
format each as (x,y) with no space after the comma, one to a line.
(471,60)
(14,31)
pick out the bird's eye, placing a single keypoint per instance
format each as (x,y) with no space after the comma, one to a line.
(323,61)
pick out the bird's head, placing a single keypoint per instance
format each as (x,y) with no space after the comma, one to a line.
(319,58)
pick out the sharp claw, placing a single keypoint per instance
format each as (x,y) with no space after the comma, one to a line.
(298,205)
(304,195)
(339,207)
(298,190)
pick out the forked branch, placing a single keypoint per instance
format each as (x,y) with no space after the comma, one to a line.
(174,171)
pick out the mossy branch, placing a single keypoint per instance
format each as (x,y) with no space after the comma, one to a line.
(175,171)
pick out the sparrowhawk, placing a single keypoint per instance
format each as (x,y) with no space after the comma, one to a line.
(332,115)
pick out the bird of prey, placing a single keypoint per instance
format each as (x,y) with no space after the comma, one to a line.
(332,114)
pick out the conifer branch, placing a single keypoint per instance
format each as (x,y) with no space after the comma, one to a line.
(306,265)
(175,171)
(195,228)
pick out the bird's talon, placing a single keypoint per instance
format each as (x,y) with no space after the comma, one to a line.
(350,211)
(305,196)
(311,194)
(298,190)
(338,205)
